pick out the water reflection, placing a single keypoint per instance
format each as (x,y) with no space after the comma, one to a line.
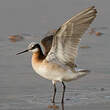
(56,107)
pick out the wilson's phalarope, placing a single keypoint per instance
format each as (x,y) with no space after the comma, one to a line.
(58,61)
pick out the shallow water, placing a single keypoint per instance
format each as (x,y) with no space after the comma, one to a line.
(22,89)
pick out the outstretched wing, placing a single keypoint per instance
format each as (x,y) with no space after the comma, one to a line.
(66,40)
(47,44)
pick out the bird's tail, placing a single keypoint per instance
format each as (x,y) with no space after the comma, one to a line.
(82,73)
(83,70)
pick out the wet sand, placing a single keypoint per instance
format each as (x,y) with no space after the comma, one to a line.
(22,89)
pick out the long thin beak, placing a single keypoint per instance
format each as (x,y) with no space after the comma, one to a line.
(22,52)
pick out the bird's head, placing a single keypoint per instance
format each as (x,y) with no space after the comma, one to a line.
(32,47)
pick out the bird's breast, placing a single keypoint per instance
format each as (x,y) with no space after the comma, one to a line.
(48,70)
(53,71)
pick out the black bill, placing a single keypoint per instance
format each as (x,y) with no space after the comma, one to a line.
(22,52)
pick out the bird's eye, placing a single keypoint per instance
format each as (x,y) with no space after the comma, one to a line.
(33,47)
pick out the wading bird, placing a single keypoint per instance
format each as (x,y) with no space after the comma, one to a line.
(57,63)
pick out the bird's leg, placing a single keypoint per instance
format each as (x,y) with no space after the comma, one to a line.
(54,85)
(62,105)
(64,87)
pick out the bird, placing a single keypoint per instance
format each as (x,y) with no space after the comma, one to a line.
(57,62)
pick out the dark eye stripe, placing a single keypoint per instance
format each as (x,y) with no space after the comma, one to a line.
(35,46)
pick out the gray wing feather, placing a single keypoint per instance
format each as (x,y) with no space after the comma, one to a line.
(67,38)
(47,44)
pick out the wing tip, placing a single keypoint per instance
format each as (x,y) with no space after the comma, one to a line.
(93,8)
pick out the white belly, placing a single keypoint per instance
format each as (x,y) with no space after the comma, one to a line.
(50,74)
(55,72)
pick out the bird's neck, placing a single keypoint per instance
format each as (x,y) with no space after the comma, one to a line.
(38,56)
